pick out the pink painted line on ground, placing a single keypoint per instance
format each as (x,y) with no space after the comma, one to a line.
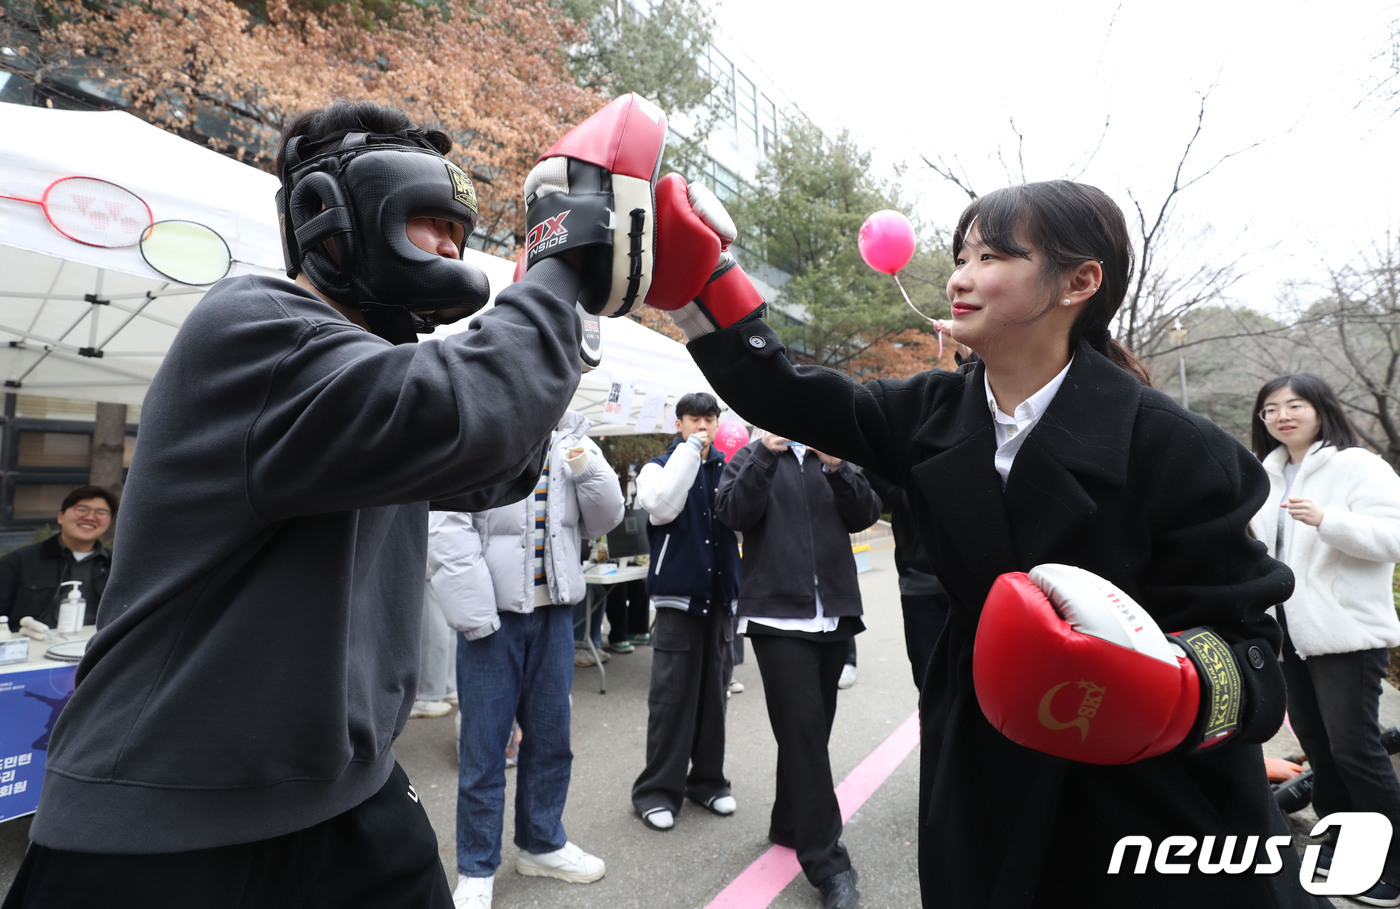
(760,883)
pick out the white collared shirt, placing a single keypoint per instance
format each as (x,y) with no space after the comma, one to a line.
(1011,430)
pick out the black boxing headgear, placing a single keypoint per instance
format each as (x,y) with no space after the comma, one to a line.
(358,191)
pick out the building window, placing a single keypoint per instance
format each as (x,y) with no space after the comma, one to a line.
(40,501)
(746,110)
(38,407)
(768,120)
(720,70)
(54,449)
(723,181)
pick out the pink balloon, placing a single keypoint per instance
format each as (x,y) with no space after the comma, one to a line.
(886,241)
(731,436)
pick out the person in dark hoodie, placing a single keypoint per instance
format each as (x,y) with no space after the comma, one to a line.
(230,739)
(800,606)
(693,579)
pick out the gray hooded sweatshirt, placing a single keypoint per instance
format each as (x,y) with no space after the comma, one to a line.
(257,648)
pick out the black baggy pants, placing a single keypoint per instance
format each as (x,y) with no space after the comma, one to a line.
(691,664)
(381,853)
(799,683)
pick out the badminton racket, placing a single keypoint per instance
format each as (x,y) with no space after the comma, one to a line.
(186,251)
(93,212)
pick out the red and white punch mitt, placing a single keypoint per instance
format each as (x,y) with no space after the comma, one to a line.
(594,192)
(1066,663)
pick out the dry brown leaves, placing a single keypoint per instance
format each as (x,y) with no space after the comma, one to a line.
(493,74)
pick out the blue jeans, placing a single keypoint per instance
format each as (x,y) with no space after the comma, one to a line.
(524,671)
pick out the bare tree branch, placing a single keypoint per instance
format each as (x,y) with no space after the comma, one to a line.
(946,172)
(1108,34)
(1088,159)
(1020,175)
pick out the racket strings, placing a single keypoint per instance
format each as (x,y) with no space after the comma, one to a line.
(96,212)
(100,213)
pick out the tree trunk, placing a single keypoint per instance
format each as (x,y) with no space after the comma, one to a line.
(108,446)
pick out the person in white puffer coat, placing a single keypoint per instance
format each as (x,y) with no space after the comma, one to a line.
(532,551)
(1333,516)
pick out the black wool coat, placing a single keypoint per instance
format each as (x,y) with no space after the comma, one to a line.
(797,520)
(1115,478)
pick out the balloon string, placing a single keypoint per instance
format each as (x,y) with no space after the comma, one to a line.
(934,322)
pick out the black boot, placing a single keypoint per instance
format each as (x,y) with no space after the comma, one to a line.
(839,891)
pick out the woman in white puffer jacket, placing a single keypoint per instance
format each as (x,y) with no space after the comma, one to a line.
(1333,516)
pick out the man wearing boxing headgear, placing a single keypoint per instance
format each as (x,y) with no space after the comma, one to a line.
(229,740)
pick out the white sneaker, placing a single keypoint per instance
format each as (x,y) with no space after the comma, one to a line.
(848,676)
(569,863)
(736,686)
(473,892)
(429,709)
(584,657)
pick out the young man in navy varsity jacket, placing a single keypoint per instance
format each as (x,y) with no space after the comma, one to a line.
(693,582)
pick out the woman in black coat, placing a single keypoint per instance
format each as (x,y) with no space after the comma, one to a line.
(1052,447)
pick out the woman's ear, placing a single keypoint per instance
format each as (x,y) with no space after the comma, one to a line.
(1084,280)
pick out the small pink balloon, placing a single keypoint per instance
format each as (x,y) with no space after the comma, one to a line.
(731,436)
(886,241)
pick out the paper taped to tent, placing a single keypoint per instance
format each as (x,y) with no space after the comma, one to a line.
(97,274)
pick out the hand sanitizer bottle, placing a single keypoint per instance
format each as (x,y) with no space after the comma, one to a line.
(71,609)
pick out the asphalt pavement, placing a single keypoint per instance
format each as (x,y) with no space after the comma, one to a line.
(691,864)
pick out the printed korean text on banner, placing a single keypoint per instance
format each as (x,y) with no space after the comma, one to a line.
(619,403)
(29,705)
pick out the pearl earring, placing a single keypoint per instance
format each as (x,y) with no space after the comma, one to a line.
(1066,303)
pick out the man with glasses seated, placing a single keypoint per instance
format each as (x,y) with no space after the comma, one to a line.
(32,576)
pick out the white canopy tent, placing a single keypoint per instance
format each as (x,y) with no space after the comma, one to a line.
(90,323)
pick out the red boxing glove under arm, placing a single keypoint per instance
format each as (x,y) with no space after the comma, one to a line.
(1067,664)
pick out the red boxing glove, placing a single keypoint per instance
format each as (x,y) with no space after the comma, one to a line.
(698,280)
(1068,664)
